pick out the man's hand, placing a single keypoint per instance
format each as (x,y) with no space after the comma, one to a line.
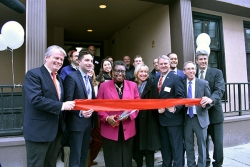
(171,109)
(87,113)
(161,110)
(205,100)
(68,105)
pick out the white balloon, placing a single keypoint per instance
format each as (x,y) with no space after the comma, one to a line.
(3,44)
(203,38)
(13,33)
(18,45)
(203,47)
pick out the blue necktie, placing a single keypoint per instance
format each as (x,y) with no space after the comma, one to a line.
(87,84)
(191,113)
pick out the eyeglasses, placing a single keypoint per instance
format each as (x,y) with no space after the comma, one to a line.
(119,71)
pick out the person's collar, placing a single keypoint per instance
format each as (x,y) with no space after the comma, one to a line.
(193,80)
(83,74)
(48,69)
(74,66)
(205,70)
(175,70)
(165,74)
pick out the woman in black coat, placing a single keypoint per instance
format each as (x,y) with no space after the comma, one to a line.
(105,71)
(147,139)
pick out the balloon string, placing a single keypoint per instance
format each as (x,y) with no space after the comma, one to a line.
(12,62)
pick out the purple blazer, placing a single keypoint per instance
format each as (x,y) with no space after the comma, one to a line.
(107,90)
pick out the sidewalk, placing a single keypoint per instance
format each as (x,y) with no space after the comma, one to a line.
(238,156)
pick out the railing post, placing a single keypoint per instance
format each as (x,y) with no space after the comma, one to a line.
(239,99)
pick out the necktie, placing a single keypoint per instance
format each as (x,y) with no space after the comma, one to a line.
(173,71)
(160,84)
(87,84)
(202,75)
(55,83)
(191,113)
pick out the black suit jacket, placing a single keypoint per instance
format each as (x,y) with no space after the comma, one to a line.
(42,107)
(217,86)
(172,87)
(74,88)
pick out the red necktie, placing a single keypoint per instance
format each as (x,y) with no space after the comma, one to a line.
(160,84)
(54,80)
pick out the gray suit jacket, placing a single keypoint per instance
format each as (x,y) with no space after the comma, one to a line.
(217,86)
(201,89)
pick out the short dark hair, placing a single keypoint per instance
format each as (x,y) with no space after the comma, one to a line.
(171,53)
(72,48)
(118,62)
(82,53)
(71,54)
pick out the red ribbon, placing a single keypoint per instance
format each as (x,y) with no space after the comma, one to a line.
(131,104)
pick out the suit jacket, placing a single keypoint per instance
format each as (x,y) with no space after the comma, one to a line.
(108,90)
(154,75)
(181,74)
(175,89)
(74,88)
(130,73)
(201,89)
(42,107)
(217,87)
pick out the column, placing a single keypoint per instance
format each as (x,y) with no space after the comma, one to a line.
(36,33)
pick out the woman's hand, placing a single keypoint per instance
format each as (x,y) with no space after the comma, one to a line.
(111,120)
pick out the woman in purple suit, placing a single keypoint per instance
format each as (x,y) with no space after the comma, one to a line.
(118,138)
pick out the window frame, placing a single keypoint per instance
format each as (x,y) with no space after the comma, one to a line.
(221,54)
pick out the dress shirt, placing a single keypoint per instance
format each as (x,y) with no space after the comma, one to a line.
(164,77)
(193,94)
(175,71)
(89,85)
(57,82)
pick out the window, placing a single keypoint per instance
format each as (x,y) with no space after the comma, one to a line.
(204,23)
(247,43)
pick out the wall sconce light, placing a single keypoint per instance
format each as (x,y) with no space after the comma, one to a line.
(89,30)
(102,6)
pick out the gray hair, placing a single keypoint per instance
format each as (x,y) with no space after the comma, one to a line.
(164,57)
(188,63)
(201,52)
(137,69)
(51,49)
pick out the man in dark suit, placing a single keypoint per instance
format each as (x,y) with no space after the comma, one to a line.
(155,72)
(129,68)
(96,59)
(216,116)
(173,65)
(77,85)
(196,117)
(42,122)
(171,119)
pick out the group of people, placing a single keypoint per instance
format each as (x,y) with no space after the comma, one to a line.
(50,121)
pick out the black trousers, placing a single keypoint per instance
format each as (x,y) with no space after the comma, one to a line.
(118,153)
(43,154)
(172,145)
(149,156)
(79,144)
(216,133)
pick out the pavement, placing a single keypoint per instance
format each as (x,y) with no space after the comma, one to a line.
(237,156)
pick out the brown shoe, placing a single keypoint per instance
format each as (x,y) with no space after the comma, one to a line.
(93,163)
